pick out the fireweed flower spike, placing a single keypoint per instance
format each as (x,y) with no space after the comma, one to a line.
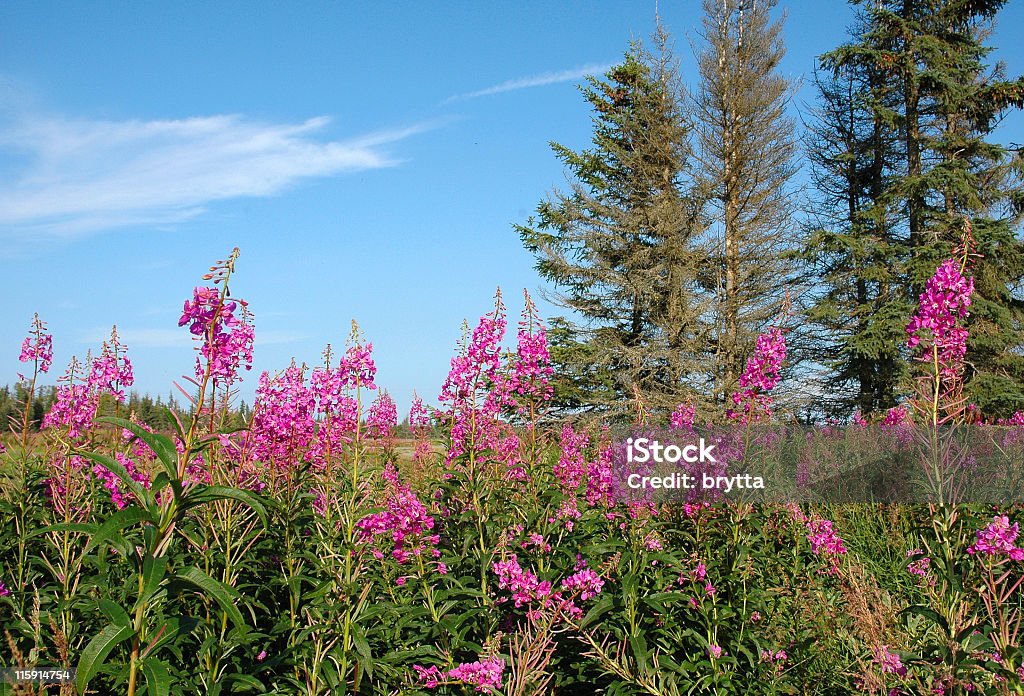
(37,347)
(474,375)
(761,375)
(112,371)
(936,330)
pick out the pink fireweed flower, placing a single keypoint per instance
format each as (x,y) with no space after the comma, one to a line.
(826,543)
(571,468)
(998,539)
(761,375)
(283,423)
(404,523)
(889,662)
(715,651)
(382,417)
(474,390)
(599,477)
(895,416)
(485,674)
(586,582)
(920,567)
(225,340)
(683,417)
(357,365)
(419,417)
(75,404)
(112,483)
(524,586)
(429,677)
(4,592)
(936,324)
(112,371)
(531,372)
(37,347)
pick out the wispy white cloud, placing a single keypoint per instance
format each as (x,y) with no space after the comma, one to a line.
(175,338)
(79,176)
(548,78)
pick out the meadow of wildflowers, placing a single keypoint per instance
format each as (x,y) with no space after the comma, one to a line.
(312,551)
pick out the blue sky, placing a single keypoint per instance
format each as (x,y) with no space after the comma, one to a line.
(369,159)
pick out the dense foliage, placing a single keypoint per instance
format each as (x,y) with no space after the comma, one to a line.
(312,553)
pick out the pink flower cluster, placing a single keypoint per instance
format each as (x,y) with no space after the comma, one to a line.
(571,469)
(112,483)
(226,340)
(920,567)
(523,584)
(485,675)
(294,421)
(889,662)
(776,659)
(826,543)
(112,371)
(474,375)
(283,423)
(761,375)
(944,302)
(382,417)
(997,539)
(78,396)
(404,521)
(419,424)
(529,591)
(683,417)
(531,371)
(37,347)
(74,406)
(586,582)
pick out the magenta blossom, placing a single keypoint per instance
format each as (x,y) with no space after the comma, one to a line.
(935,327)
(37,347)
(112,371)
(761,375)
(889,662)
(225,340)
(382,417)
(998,539)
(484,674)
(825,543)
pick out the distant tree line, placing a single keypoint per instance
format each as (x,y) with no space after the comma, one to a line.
(154,412)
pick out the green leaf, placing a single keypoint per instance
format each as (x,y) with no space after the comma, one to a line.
(80,527)
(113,611)
(97,650)
(224,595)
(110,531)
(168,631)
(238,680)
(153,571)
(158,679)
(200,495)
(929,614)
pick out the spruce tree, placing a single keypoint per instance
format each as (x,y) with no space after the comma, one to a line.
(747,148)
(944,102)
(858,307)
(620,246)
